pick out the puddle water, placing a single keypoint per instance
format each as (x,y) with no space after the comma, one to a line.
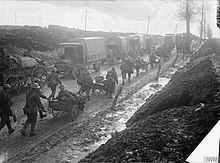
(130,106)
(126,110)
(3,157)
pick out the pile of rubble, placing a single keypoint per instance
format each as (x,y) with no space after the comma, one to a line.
(170,125)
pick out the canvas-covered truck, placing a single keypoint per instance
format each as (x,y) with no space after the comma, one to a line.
(169,40)
(149,43)
(88,52)
(119,47)
(137,44)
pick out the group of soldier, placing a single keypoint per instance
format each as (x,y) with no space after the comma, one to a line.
(5,109)
(33,105)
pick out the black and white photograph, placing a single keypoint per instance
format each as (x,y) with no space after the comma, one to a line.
(109,81)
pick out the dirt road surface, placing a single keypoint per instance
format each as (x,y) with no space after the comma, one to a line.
(59,139)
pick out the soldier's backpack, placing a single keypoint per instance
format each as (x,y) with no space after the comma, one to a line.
(28,108)
(4,104)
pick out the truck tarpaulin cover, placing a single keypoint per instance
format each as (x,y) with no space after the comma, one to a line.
(121,41)
(94,48)
(124,44)
(140,37)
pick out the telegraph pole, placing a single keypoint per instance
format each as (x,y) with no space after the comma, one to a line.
(39,20)
(204,28)
(86,16)
(15,18)
(148,25)
(175,29)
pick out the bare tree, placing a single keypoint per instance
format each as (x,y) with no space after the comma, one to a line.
(202,22)
(209,31)
(203,9)
(186,12)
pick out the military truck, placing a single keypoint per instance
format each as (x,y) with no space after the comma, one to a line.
(119,47)
(169,40)
(137,44)
(88,52)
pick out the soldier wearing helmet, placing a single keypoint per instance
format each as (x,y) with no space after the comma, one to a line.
(33,104)
(137,65)
(37,90)
(86,83)
(5,108)
(53,82)
(112,78)
(65,95)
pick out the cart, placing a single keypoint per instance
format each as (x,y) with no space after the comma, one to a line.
(57,107)
(144,65)
(99,84)
(14,73)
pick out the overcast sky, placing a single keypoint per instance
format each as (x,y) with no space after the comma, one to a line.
(118,16)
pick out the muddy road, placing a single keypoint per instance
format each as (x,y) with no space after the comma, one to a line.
(60,140)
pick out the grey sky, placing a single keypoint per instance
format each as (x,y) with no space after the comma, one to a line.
(123,15)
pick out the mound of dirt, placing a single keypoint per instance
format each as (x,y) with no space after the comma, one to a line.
(191,85)
(209,47)
(170,125)
(42,42)
(42,39)
(170,135)
(28,37)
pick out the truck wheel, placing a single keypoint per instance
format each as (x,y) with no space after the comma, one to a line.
(96,66)
(74,72)
(103,62)
(99,65)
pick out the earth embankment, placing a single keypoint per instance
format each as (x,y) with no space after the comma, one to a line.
(170,125)
(191,85)
(43,39)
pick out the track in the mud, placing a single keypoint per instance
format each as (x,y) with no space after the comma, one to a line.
(54,130)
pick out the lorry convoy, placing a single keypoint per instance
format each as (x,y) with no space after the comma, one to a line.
(87,53)
(92,52)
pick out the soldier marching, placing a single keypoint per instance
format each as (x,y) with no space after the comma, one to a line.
(34,106)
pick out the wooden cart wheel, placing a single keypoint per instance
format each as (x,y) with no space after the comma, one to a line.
(55,113)
(24,81)
(39,73)
(14,82)
(13,63)
(74,112)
